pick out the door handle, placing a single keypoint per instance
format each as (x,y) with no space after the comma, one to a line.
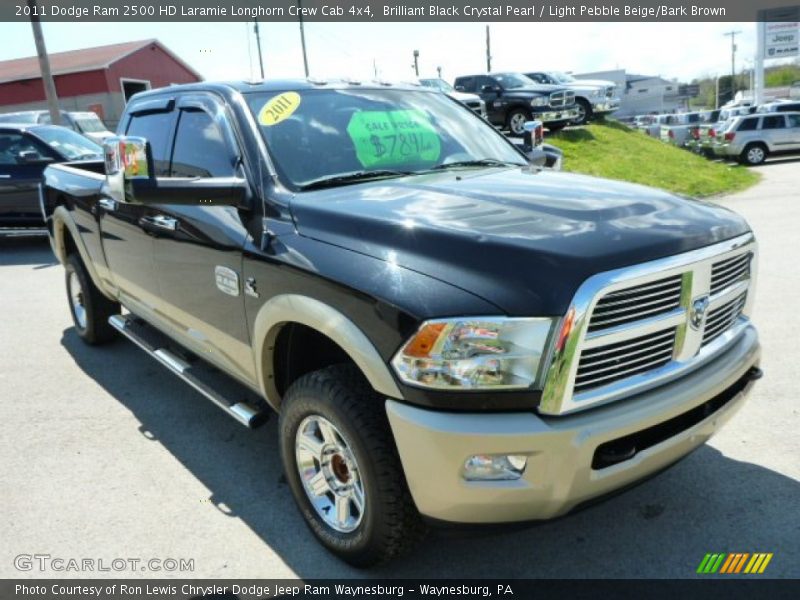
(5,176)
(161,222)
(107,204)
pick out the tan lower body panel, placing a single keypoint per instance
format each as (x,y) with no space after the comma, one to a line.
(433,446)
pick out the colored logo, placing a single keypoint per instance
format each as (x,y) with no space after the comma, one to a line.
(729,564)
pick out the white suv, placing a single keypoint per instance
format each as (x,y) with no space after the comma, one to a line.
(751,138)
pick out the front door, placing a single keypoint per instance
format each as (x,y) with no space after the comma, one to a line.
(199,251)
(22,162)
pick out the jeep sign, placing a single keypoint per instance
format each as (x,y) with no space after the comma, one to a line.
(782,39)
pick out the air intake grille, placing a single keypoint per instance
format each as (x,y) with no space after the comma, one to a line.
(728,272)
(721,319)
(606,364)
(636,303)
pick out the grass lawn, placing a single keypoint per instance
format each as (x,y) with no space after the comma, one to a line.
(613,150)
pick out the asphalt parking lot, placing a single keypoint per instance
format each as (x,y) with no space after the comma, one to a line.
(106,455)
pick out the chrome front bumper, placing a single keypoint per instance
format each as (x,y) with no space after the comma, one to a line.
(561,451)
(553,116)
(606,105)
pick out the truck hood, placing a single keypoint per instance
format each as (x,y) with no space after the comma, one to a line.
(464,97)
(520,239)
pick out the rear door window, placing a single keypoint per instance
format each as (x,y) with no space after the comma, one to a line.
(156,127)
(774,122)
(748,125)
(794,120)
(468,83)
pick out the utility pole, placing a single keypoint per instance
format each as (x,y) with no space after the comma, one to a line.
(488,51)
(416,62)
(375,68)
(302,35)
(44,65)
(733,35)
(439,72)
(258,41)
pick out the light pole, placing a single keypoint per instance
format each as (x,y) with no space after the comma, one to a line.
(416,62)
(44,65)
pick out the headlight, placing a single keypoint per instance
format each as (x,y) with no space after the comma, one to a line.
(475,353)
(540,101)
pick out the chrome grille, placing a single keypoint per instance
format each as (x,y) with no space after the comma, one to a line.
(631,329)
(635,303)
(721,319)
(557,99)
(730,271)
(604,365)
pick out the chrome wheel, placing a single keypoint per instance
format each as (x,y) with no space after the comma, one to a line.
(330,474)
(517,123)
(580,119)
(755,155)
(76,299)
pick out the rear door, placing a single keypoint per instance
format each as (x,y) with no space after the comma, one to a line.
(793,131)
(199,251)
(128,244)
(20,178)
(776,134)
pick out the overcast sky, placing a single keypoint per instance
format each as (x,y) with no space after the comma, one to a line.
(227,50)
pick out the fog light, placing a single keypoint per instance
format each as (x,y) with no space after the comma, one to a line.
(494,467)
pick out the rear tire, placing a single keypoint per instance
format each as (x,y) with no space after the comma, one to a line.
(753,154)
(338,452)
(90,310)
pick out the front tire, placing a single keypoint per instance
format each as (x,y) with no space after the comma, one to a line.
(343,469)
(89,308)
(516,119)
(753,154)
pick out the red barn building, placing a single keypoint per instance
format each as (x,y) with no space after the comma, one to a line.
(97,79)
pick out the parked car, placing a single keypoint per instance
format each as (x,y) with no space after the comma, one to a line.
(447,333)
(679,130)
(85,123)
(25,151)
(702,137)
(512,99)
(594,97)
(751,139)
(472,101)
(653,127)
(780,106)
(794,91)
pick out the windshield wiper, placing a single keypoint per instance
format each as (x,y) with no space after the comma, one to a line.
(479,162)
(353,177)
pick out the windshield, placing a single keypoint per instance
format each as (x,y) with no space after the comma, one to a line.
(562,77)
(439,84)
(512,81)
(319,134)
(89,124)
(72,145)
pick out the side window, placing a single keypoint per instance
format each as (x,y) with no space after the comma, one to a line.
(468,83)
(14,144)
(789,107)
(774,122)
(483,80)
(537,77)
(794,120)
(200,148)
(748,125)
(156,128)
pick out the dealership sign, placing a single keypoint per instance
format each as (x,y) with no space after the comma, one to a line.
(782,39)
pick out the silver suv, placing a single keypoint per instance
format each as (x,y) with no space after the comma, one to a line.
(751,138)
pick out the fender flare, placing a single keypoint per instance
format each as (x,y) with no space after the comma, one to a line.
(61,220)
(294,308)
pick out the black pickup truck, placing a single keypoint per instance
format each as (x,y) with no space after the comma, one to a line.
(512,99)
(449,333)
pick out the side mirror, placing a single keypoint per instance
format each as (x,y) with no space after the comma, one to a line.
(460,88)
(130,177)
(32,157)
